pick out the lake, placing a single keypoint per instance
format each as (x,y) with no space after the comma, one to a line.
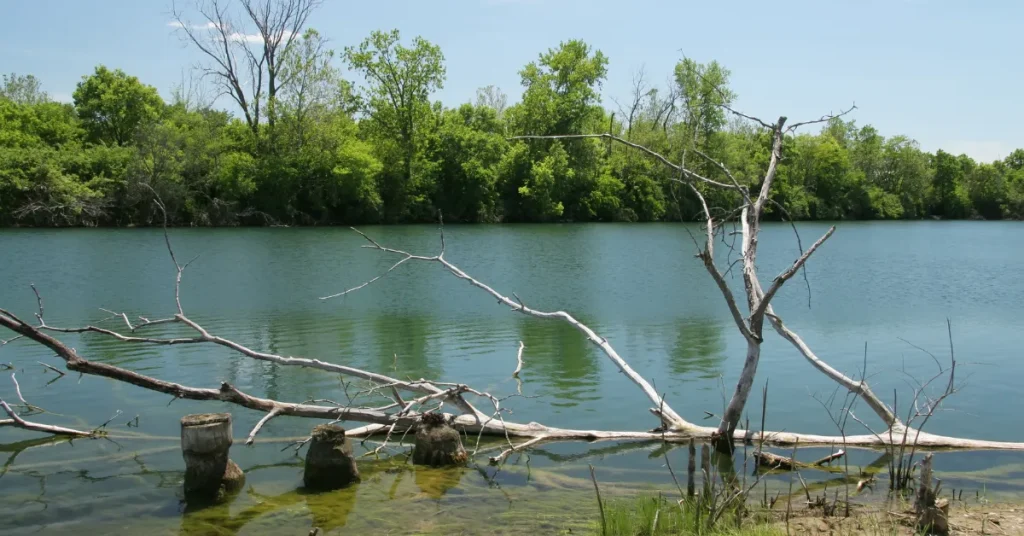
(890,286)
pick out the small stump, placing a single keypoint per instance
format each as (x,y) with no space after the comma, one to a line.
(205,441)
(330,463)
(932,512)
(437,443)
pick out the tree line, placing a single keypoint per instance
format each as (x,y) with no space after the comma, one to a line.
(312,148)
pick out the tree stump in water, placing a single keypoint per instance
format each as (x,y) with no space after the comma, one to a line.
(437,443)
(205,442)
(330,463)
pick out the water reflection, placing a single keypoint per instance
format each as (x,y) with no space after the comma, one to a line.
(402,341)
(327,511)
(436,482)
(561,358)
(699,348)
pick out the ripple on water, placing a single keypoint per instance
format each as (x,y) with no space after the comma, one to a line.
(639,286)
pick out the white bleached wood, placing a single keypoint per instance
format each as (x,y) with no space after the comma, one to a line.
(17,421)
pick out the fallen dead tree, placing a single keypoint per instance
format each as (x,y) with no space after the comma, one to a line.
(400,404)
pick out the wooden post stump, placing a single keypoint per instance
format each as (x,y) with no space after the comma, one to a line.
(205,441)
(691,470)
(437,443)
(932,513)
(330,463)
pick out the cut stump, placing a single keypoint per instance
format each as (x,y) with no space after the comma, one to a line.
(330,463)
(437,443)
(205,442)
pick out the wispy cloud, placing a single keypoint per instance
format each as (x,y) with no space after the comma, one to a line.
(236,37)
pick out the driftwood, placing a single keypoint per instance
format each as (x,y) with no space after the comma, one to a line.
(774,461)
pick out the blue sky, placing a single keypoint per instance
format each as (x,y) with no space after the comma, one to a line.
(945,72)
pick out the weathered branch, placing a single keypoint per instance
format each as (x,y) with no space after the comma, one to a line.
(17,421)
(708,257)
(789,273)
(519,360)
(259,425)
(822,119)
(495,460)
(860,387)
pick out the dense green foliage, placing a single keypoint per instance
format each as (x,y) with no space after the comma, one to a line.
(385,152)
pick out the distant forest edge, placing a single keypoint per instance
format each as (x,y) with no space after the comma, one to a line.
(307,147)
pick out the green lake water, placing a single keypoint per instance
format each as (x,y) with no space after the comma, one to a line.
(883,284)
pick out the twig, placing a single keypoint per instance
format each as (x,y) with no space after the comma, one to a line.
(51,367)
(104,425)
(823,118)
(600,505)
(297,444)
(12,339)
(676,480)
(790,272)
(39,303)
(353,289)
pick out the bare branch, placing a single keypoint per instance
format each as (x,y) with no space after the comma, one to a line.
(51,367)
(259,425)
(17,389)
(708,257)
(39,303)
(759,121)
(353,289)
(789,273)
(736,184)
(822,119)
(495,460)
(519,359)
(36,427)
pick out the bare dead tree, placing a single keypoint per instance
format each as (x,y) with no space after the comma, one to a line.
(759,296)
(278,22)
(245,63)
(640,96)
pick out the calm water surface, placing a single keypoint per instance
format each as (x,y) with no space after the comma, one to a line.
(885,285)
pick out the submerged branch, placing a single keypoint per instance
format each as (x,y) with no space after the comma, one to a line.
(16,420)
